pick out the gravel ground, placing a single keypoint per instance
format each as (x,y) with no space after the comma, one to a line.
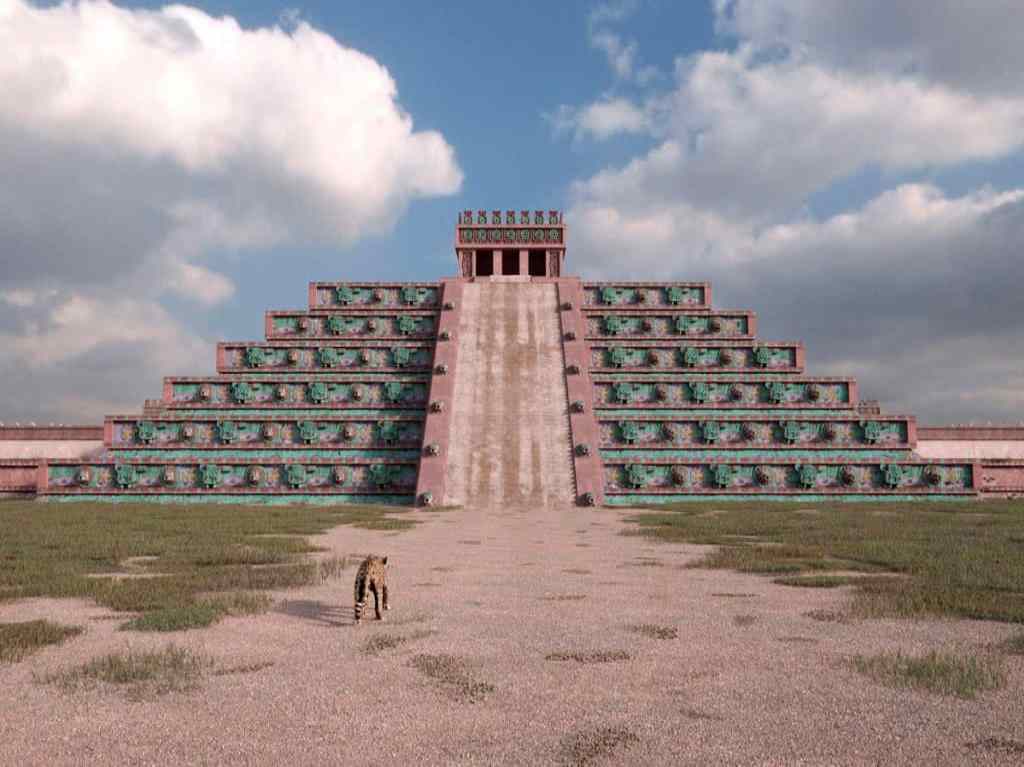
(749,678)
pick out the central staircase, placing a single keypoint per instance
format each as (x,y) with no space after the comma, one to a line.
(510,441)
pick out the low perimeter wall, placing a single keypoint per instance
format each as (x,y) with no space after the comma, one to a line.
(973,442)
(21,446)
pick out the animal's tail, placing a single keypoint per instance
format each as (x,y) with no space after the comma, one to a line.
(360,597)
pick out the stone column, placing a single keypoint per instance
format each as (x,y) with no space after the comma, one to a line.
(497,263)
(524,262)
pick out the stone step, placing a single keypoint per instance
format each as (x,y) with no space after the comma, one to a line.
(693,354)
(183,431)
(342,356)
(355,295)
(691,295)
(625,480)
(510,441)
(190,476)
(708,431)
(713,392)
(349,325)
(302,391)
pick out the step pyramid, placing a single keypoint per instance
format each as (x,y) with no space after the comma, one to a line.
(374,391)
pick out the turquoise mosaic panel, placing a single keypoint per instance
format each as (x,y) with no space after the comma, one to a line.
(301,325)
(717,412)
(239,499)
(277,393)
(802,476)
(281,433)
(257,455)
(303,413)
(683,391)
(690,357)
(752,433)
(764,453)
(410,295)
(255,358)
(684,295)
(639,499)
(663,325)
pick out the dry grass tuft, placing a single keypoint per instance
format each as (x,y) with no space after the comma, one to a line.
(563,598)
(652,631)
(588,746)
(938,672)
(1005,745)
(595,656)
(827,616)
(744,620)
(245,668)
(19,640)
(375,645)
(140,674)
(1014,645)
(576,571)
(455,676)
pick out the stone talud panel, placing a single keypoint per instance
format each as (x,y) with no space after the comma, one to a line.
(373,295)
(679,324)
(697,355)
(351,324)
(976,450)
(1001,477)
(231,476)
(644,295)
(296,392)
(431,484)
(773,475)
(723,392)
(796,432)
(18,476)
(230,432)
(583,425)
(323,357)
(47,433)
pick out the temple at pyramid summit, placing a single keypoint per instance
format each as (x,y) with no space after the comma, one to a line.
(511,382)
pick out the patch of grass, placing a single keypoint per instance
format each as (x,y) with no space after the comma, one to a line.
(697,714)
(140,674)
(19,640)
(588,746)
(595,656)
(454,675)
(827,616)
(48,550)
(563,598)
(1005,745)
(958,559)
(733,595)
(378,643)
(816,581)
(245,668)
(576,571)
(201,614)
(1014,645)
(798,640)
(653,631)
(938,672)
(744,620)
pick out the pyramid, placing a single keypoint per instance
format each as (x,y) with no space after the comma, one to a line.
(397,392)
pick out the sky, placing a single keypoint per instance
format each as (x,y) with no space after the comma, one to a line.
(852,172)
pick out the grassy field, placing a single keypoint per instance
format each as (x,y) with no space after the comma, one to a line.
(903,559)
(186,566)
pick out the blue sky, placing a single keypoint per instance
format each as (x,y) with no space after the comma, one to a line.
(852,172)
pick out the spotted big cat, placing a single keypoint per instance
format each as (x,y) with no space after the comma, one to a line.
(372,576)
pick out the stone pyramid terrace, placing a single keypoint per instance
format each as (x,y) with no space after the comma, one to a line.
(511,382)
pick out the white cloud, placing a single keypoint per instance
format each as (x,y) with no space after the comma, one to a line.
(758,139)
(601,120)
(144,142)
(972,45)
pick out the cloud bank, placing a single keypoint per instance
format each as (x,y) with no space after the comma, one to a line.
(142,142)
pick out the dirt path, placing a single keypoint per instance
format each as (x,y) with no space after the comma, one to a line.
(749,678)
(510,423)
